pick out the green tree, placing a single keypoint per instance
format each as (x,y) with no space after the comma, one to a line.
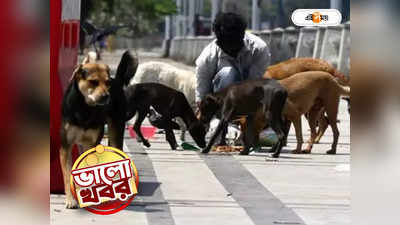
(142,16)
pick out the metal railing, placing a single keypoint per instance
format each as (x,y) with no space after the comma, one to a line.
(329,43)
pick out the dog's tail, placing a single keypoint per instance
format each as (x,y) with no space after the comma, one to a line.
(311,64)
(127,68)
(341,78)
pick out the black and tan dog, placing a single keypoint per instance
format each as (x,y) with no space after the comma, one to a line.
(92,99)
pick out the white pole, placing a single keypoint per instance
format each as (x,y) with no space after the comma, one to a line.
(215,8)
(167,27)
(192,12)
(185,13)
(178,31)
(255,20)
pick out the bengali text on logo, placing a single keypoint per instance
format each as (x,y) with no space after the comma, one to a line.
(104,180)
(316,17)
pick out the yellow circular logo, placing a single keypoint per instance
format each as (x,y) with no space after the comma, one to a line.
(104,180)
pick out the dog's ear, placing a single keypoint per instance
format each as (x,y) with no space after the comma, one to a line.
(79,73)
(91,57)
(86,60)
(127,68)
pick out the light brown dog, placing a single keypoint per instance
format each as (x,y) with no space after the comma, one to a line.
(308,92)
(296,65)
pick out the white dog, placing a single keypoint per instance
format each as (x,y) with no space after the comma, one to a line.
(171,76)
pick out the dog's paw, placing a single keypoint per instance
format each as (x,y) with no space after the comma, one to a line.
(275,155)
(243,152)
(331,152)
(297,151)
(71,203)
(256,149)
(146,143)
(205,151)
(306,151)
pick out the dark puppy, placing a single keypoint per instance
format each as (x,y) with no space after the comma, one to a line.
(245,99)
(92,99)
(170,104)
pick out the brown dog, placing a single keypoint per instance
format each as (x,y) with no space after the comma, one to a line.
(92,99)
(296,65)
(309,92)
(305,89)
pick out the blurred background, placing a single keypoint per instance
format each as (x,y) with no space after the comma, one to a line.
(145,24)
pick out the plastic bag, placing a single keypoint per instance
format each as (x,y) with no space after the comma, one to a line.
(268,138)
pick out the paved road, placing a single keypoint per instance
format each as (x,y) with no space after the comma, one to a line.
(187,188)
